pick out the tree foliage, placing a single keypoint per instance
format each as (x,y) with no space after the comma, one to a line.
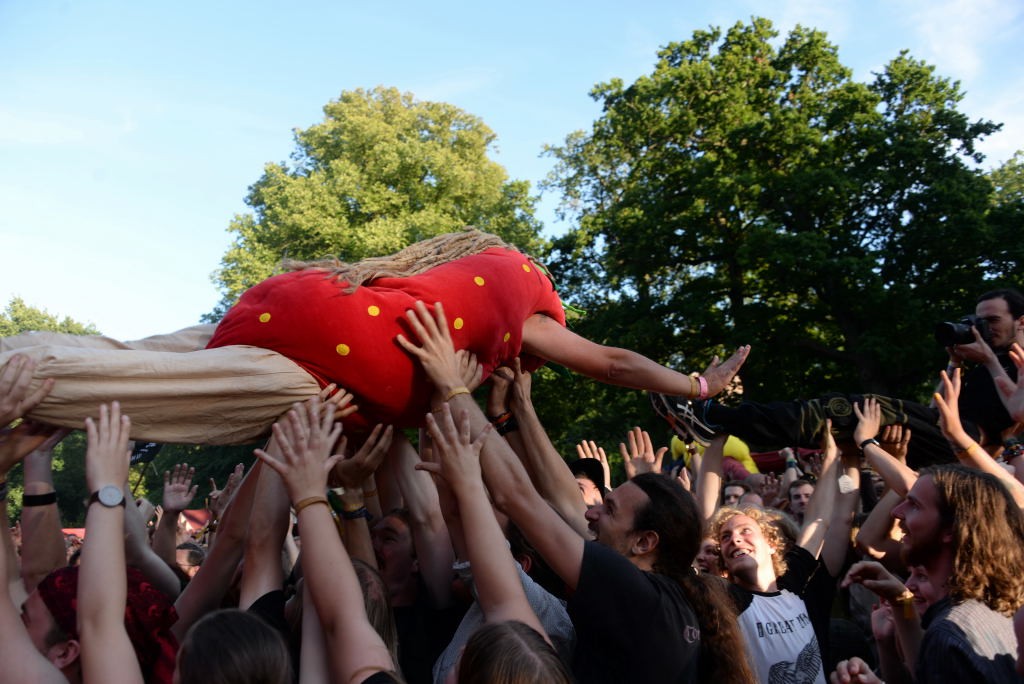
(748,190)
(381,171)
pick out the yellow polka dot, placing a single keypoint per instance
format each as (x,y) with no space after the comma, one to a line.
(373,310)
(458,323)
(264,317)
(479,281)
(526,267)
(507,337)
(343,349)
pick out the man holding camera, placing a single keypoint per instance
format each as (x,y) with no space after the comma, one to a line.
(983,339)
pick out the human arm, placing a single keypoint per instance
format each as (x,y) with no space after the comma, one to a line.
(590,449)
(1012,393)
(267,526)
(549,471)
(178,494)
(205,591)
(498,587)
(107,653)
(306,436)
(966,449)
(218,499)
(890,660)
(356,475)
(42,549)
(818,514)
(837,539)
(16,397)
(19,659)
(430,537)
(897,475)
(548,339)
(640,456)
(889,588)
(709,478)
(875,535)
(506,479)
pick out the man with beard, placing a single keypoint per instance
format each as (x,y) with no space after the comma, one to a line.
(965,530)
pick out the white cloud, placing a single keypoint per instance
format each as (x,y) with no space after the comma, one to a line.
(957,33)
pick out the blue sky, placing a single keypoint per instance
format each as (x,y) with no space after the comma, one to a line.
(130,131)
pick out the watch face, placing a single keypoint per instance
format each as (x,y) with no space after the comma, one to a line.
(110,496)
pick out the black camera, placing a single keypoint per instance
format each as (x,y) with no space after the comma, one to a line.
(947,334)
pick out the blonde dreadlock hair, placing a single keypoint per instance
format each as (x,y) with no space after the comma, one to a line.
(415,259)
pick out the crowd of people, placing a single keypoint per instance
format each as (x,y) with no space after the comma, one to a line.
(472,551)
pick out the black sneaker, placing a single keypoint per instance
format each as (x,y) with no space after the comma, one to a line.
(682,418)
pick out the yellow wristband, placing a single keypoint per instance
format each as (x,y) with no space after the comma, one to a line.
(457,391)
(310,501)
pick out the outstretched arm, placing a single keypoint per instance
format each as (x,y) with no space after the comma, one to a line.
(546,338)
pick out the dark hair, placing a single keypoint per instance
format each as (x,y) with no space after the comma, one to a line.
(510,652)
(196,553)
(736,483)
(1014,299)
(673,515)
(233,647)
(797,483)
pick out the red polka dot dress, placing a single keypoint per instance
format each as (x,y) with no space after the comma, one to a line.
(349,339)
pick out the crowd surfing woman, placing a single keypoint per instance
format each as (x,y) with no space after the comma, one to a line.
(330,322)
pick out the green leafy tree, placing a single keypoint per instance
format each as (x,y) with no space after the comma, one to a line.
(382,170)
(1006,220)
(19,317)
(748,190)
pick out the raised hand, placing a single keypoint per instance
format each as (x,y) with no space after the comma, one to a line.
(949,408)
(340,399)
(1013,393)
(306,436)
(218,499)
(719,375)
(896,439)
(178,488)
(107,455)
(15,379)
(21,440)
(589,449)
(641,456)
(470,370)
(458,453)
(869,419)
(435,352)
(352,472)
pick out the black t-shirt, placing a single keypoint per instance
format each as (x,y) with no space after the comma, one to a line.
(979,399)
(631,625)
